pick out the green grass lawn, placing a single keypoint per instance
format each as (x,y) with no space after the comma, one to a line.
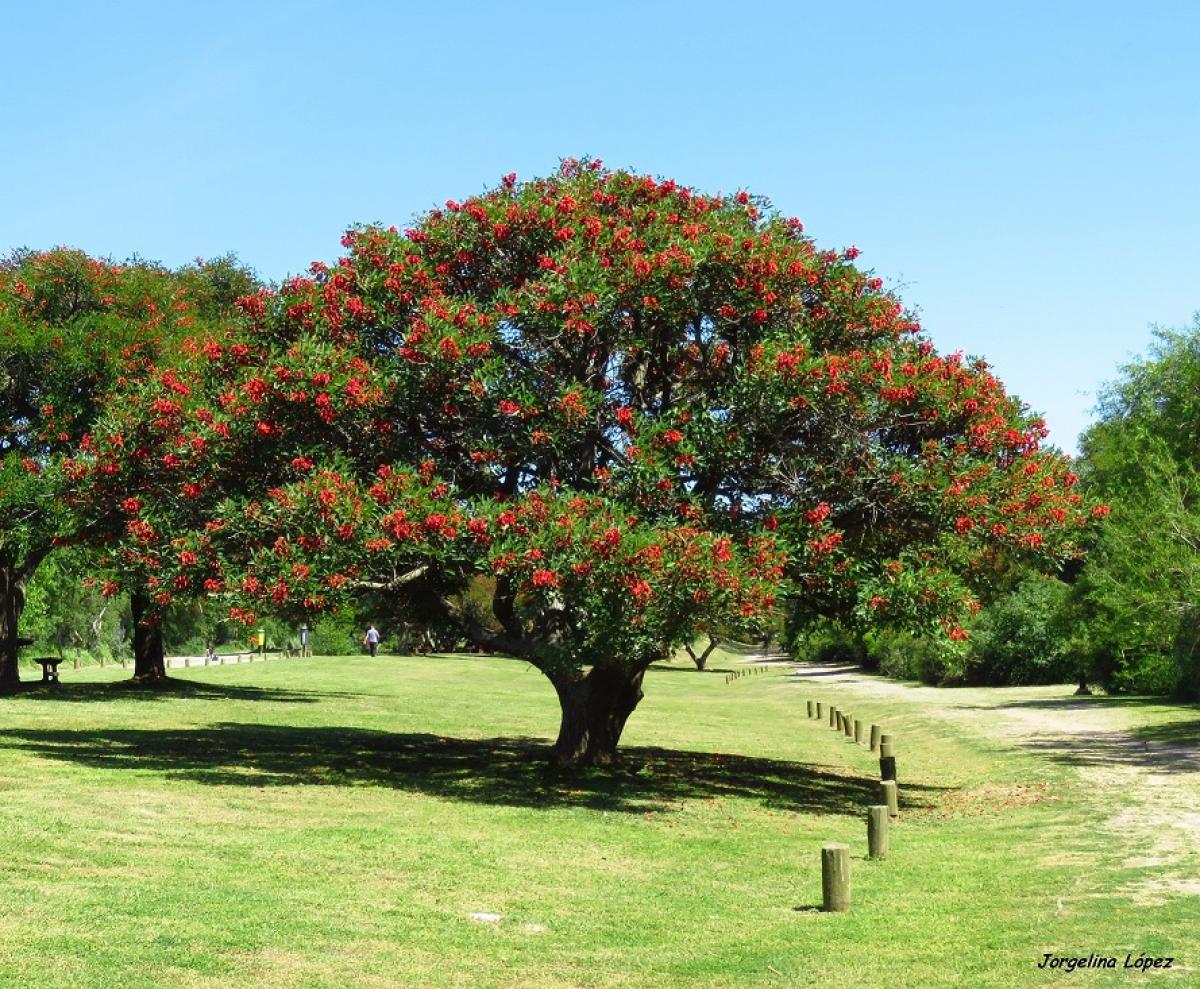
(335,822)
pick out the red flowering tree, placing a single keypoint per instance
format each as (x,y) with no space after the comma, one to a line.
(70,327)
(76,333)
(639,408)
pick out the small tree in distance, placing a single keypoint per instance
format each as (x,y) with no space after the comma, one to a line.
(640,409)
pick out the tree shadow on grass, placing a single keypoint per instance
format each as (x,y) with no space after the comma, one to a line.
(808,670)
(664,668)
(506,771)
(172,688)
(1068,703)
(1119,748)
(1172,733)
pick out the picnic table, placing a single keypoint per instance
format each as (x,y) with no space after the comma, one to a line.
(49,665)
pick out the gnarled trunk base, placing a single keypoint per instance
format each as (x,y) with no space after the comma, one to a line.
(149,662)
(595,707)
(701,659)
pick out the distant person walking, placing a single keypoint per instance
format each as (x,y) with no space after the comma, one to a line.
(371,640)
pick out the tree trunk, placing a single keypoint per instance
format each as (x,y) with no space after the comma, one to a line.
(149,665)
(701,660)
(595,707)
(12,601)
(1083,686)
(14,579)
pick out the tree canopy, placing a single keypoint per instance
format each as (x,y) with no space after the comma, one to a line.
(74,330)
(635,407)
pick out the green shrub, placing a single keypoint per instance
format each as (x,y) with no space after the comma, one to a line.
(1021,638)
(337,634)
(827,642)
(928,658)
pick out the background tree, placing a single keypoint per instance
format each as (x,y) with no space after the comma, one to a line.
(69,326)
(73,329)
(638,408)
(66,613)
(1138,598)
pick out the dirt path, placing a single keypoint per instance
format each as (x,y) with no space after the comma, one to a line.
(1155,782)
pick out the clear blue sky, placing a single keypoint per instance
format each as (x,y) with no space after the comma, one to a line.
(1026,174)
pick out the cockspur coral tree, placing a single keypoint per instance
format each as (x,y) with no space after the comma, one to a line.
(634,407)
(74,329)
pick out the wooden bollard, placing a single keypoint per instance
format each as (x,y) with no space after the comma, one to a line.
(810,709)
(877,831)
(835,877)
(833,713)
(857,731)
(820,710)
(889,794)
(887,768)
(875,738)
(848,726)
(886,750)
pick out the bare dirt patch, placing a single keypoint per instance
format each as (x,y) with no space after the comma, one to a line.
(1153,785)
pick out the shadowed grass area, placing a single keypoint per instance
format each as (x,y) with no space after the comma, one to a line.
(495,770)
(344,822)
(171,688)
(1186,732)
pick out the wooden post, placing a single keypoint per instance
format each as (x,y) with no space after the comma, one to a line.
(877,831)
(810,709)
(889,794)
(887,768)
(848,726)
(833,713)
(835,877)
(820,710)
(885,750)
(874,738)
(857,731)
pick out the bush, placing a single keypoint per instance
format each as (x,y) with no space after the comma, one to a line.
(930,659)
(337,634)
(827,642)
(1020,639)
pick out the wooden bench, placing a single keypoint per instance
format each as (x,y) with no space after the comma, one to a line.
(49,665)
